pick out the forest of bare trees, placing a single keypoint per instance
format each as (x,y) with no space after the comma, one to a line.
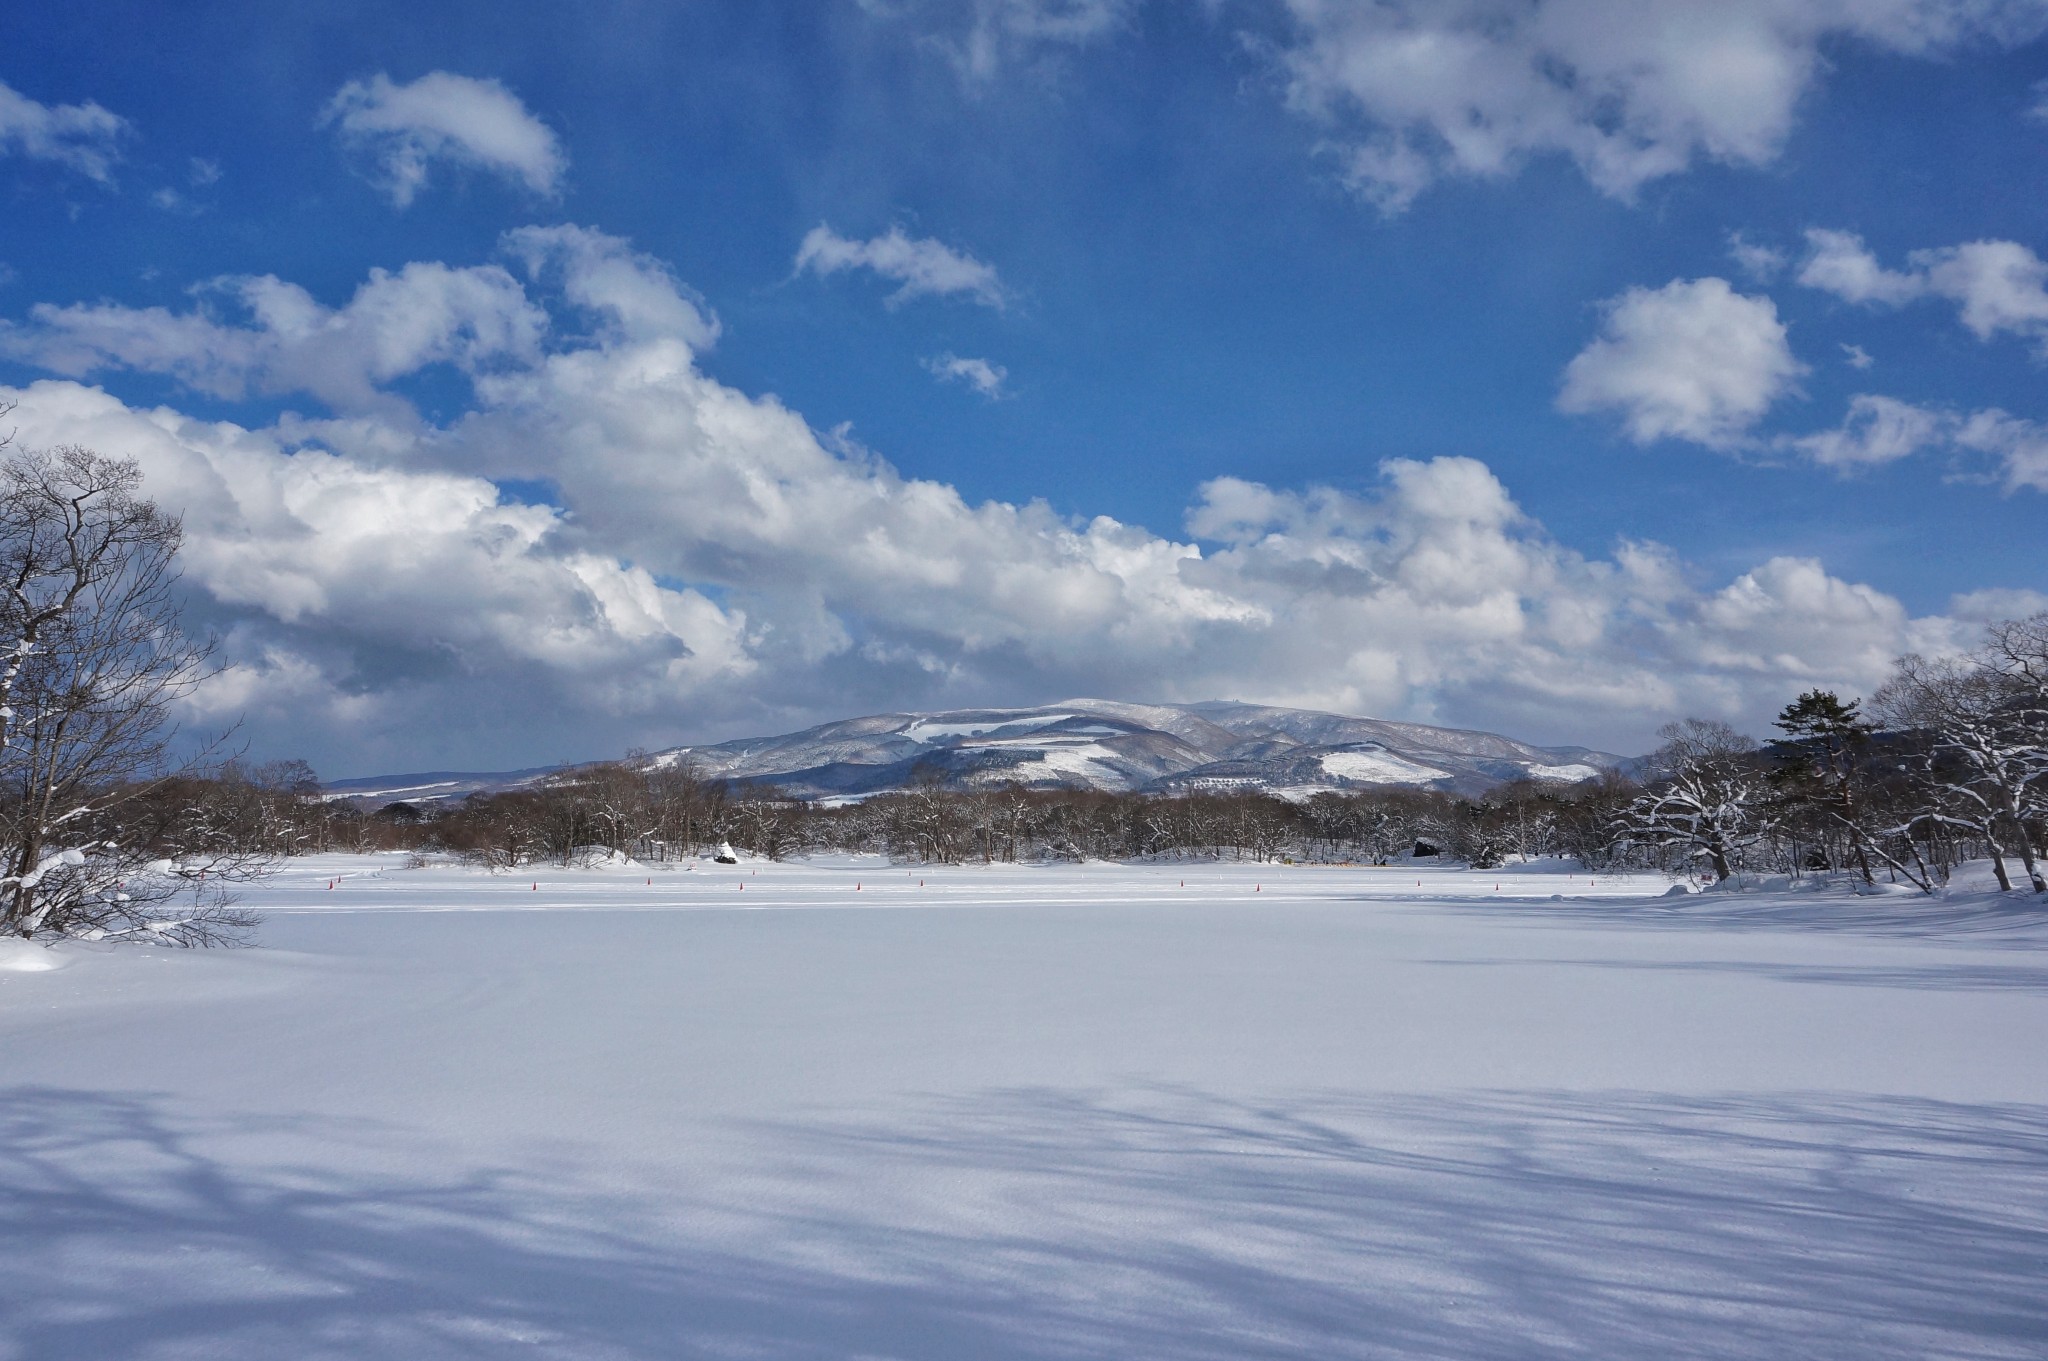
(623,809)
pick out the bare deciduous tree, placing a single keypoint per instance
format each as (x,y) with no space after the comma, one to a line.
(93,662)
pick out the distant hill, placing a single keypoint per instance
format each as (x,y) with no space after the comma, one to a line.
(1088,744)
(1103,744)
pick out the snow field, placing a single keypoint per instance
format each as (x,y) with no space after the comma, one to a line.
(381,882)
(1381,766)
(1033,1112)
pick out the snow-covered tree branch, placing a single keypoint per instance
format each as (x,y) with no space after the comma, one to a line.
(1709,799)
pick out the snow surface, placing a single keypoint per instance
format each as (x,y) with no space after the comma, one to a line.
(1574,772)
(1082,759)
(1202,1112)
(927,732)
(1379,767)
(22,956)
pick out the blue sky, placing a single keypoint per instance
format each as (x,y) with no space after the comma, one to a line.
(539,381)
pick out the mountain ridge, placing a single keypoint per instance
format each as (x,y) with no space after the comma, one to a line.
(1098,744)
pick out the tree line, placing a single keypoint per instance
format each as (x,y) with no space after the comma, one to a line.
(672,813)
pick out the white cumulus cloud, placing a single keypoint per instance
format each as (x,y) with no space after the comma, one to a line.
(1995,603)
(84,137)
(1839,263)
(919,266)
(634,295)
(1877,430)
(1758,262)
(984,377)
(444,117)
(1790,616)
(2019,445)
(366,604)
(1693,360)
(1411,91)
(1997,286)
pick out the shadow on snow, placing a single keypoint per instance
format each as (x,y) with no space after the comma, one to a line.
(2014,920)
(1032,1225)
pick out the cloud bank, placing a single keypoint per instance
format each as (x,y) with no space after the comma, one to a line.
(709,564)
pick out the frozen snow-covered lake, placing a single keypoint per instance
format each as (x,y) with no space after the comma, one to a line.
(1008,1113)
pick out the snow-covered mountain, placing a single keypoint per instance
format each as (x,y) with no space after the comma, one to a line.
(1103,744)
(1084,743)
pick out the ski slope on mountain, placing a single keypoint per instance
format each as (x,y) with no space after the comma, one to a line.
(853,1109)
